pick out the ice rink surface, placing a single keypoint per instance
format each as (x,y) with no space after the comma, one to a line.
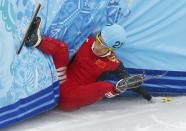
(118,114)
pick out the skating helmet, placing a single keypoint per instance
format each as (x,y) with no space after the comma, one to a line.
(114,36)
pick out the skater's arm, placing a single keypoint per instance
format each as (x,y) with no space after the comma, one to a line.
(121,72)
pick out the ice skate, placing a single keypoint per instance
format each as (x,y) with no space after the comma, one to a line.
(34,37)
(129,82)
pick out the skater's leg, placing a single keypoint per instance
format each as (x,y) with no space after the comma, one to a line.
(57,49)
(74,97)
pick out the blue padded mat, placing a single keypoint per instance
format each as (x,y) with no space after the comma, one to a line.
(155,44)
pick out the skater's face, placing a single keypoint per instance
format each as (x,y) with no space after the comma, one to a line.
(100,48)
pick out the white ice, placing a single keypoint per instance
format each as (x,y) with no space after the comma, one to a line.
(119,114)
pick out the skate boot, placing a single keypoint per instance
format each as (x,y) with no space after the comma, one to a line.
(34,37)
(130,82)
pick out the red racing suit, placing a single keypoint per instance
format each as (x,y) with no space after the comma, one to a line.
(79,86)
